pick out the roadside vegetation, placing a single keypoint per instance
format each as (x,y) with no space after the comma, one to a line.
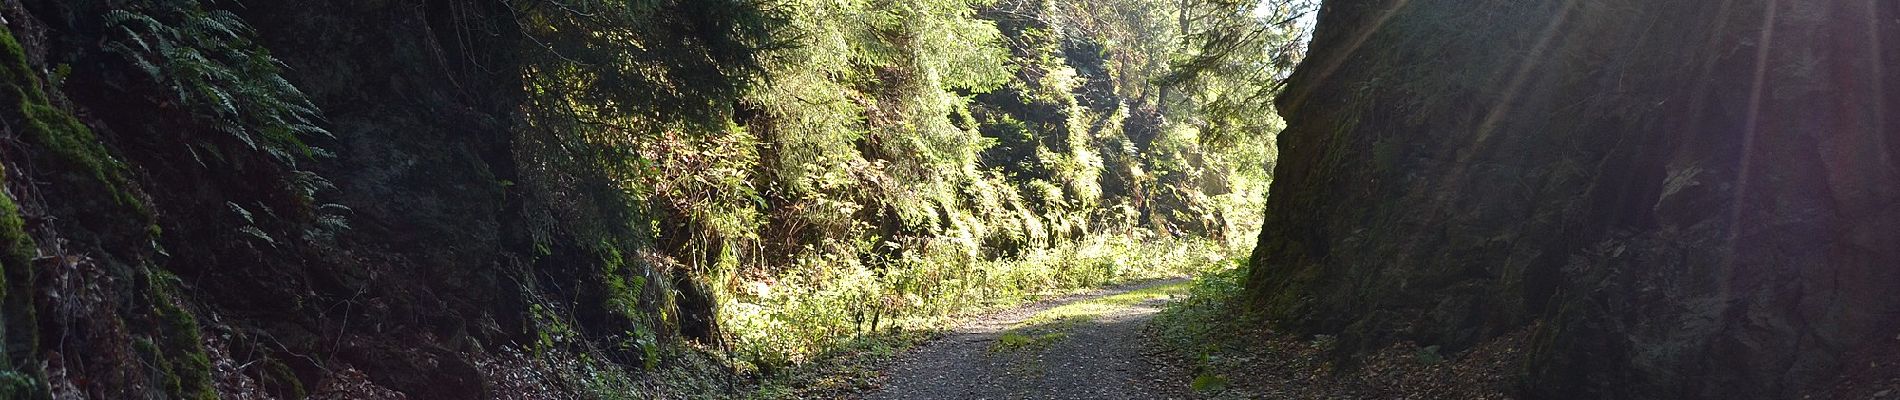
(1219,348)
(901,165)
(603,199)
(831,350)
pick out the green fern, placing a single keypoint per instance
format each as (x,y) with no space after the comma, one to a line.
(208,63)
(212,67)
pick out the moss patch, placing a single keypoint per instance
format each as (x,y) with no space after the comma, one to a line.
(69,143)
(177,348)
(20,330)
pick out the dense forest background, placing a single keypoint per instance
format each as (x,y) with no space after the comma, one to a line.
(559,198)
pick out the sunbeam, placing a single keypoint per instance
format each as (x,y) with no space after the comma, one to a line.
(1700,96)
(1751,128)
(1878,77)
(1523,74)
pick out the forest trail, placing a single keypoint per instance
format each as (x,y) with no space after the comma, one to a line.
(1082,347)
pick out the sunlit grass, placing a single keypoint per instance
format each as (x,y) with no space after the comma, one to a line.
(1088,311)
(1053,325)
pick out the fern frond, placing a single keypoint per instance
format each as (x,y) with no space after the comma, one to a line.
(241,212)
(258,234)
(211,66)
(207,27)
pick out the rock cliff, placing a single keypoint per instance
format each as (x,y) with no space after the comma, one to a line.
(1680,199)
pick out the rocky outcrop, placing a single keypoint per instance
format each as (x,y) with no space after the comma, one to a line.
(1682,199)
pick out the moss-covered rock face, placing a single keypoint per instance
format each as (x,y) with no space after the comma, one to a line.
(1697,200)
(76,151)
(19,330)
(78,179)
(177,349)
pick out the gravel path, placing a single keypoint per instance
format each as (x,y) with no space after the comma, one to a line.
(1097,359)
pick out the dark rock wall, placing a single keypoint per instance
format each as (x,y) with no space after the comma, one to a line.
(1684,199)
(129,275)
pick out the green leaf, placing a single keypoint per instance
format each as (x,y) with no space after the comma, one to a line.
(1208,382)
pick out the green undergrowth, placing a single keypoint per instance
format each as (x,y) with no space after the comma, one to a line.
(849,368)
(826,323)
(1053,325)
(1199,326)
